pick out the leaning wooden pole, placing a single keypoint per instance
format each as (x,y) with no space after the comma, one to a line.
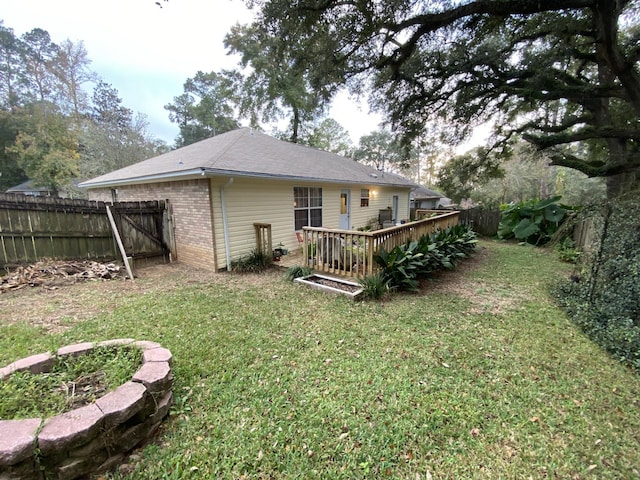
(120,245)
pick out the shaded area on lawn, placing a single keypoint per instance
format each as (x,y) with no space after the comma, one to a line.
(479,375)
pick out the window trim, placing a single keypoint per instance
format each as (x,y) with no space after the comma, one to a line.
(365,195)
(313,204)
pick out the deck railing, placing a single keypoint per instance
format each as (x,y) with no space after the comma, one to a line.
(350,253)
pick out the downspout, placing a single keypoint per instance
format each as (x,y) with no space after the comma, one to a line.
(225,226)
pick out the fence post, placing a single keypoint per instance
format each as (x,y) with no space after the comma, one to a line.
(120,245)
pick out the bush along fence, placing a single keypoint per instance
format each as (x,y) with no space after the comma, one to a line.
(34,228)
(603,295)
(533,221)
(404,265)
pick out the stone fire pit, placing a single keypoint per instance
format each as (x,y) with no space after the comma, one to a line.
(94,438)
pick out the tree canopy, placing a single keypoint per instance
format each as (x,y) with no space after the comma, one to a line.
(562,74)
(206,108)
(50,130)
(380,150)
(327,135)
(46,149)
(283,79)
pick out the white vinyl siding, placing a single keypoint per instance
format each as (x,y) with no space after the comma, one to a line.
(379,199)
(252,201)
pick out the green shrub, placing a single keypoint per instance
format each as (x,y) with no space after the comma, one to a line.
(401,266)
(445,248)
(296,272)
(532,221)
(405,264)
(605,318)
(374,287)
(567,251)
(255,262)
(605,300)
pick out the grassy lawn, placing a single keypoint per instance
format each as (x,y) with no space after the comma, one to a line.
(478,376)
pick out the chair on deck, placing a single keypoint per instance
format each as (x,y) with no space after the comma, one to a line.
(300,241)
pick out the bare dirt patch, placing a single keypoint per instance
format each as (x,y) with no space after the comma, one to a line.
(57,307)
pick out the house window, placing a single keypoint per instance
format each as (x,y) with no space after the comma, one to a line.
(364,197)
(307,207)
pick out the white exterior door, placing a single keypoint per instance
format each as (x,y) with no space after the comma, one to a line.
(345,210)
(395,210)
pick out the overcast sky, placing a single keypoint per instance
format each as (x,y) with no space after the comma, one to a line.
(147,52)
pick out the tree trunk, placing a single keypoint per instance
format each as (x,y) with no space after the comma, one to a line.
(295,125)
(606,19)
(621,183)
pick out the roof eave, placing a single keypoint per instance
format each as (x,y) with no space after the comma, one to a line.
(180,175)
(208,172)
(276,176)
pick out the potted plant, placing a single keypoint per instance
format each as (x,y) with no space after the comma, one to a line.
(279,251)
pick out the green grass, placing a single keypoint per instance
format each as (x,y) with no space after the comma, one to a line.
(72,382)
(481,378)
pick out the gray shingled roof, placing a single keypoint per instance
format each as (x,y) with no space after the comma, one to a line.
(28,186)
(424,192)
(245,152)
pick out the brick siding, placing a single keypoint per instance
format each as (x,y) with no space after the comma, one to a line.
(191,207)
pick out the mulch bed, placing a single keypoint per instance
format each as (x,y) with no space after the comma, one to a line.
(330,283)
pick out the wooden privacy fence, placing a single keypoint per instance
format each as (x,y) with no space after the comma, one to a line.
(483,221)
(350,253)
(33,228)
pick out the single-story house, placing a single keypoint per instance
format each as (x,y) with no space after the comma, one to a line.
(31,189)
(425,198)
(220,187)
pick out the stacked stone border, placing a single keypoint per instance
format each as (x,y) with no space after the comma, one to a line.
(94,438)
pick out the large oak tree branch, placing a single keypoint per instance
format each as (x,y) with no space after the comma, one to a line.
(546,141)
(594,169)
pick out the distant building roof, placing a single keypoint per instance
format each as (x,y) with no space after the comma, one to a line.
(29,187)
(245,152)
(425,193)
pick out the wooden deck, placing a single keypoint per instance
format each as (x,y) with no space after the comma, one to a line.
(349,253)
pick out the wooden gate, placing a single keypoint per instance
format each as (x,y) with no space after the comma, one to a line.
(33,228)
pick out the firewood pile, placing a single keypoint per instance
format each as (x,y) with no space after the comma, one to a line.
(49,273)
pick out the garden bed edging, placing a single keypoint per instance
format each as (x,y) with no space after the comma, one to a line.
(94,438)
(323,282)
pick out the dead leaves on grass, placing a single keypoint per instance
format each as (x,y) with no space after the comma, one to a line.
(47,273)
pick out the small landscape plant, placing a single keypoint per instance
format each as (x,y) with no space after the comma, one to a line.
(401,266)
(297,271)
(374,287)
(255,262)
(71,383)
(567,251)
